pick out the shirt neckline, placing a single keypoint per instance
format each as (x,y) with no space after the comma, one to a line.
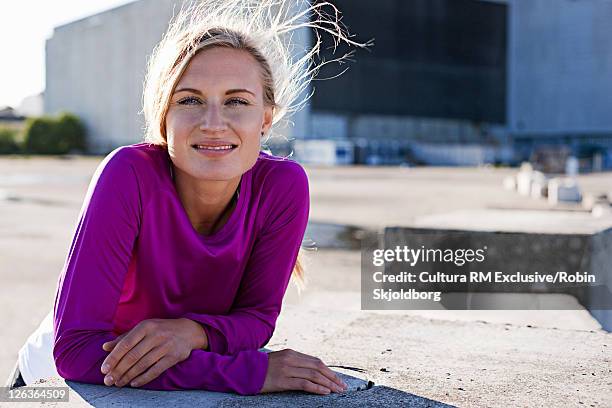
(244,188)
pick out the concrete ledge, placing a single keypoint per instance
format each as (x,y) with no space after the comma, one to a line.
(90,395)
(518,240)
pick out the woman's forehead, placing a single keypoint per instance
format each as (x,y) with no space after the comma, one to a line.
(221,68)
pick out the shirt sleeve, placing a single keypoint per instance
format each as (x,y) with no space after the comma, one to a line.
(90,284)
(251,321)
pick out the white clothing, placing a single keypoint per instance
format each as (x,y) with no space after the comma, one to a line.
(36,355)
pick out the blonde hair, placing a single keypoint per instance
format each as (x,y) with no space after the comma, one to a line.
(264,28)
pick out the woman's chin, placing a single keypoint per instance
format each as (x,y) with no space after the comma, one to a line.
(217,174)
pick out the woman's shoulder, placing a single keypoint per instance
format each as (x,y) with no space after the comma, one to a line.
(138,154)
(148,161)
(278,170)
(279,180)
(136,170)
(282,187)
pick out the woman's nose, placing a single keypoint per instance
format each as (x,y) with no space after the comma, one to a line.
(212,119)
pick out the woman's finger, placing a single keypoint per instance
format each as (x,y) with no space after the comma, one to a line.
(150,358)
(132,357)
(154,371)
(313,376)
(132,338)
(109,345)
(317,364)
(306,385)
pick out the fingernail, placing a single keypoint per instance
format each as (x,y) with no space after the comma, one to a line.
(105,368)
(108,380)
(134,384)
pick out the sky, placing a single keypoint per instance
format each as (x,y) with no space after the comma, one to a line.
(24,27)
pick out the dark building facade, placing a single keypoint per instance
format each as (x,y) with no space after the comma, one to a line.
(431,58)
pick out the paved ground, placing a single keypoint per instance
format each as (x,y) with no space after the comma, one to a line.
(464,358)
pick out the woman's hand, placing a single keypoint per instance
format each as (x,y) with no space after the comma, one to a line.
(291,370)
(151,347)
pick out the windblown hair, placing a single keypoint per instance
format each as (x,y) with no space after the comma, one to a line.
(265,29)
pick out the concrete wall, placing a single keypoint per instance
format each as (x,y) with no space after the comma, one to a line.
(95,68)
(559,66)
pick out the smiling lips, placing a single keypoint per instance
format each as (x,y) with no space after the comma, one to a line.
(214,148)
(220,145)
(224,147)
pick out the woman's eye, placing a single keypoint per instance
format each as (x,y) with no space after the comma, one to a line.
(236,101)
(190,100)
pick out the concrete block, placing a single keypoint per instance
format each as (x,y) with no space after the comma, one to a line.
(563,190)
(525,241)
(524,178)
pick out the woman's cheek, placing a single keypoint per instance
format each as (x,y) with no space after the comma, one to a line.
(188,117)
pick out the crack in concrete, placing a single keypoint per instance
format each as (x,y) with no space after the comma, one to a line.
(359,370)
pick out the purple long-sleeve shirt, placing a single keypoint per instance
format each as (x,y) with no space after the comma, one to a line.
(136,256)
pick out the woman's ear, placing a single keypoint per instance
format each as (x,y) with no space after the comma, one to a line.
(267,120)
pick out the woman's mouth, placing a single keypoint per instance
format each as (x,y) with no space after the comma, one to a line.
(214,150)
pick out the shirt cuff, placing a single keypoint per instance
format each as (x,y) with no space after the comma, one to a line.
(259,376)
(217,343)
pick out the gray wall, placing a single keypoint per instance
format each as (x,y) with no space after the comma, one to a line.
(560,66)
(95,68)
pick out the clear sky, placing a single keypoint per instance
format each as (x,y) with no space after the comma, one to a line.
(24,27)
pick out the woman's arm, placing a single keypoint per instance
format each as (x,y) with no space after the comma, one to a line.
(90,286)
(251,321)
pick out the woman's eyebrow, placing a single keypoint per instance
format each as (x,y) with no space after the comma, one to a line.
(229,91)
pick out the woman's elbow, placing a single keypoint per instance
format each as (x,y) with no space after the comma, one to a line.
(72,367)
(266,335)
(63,366)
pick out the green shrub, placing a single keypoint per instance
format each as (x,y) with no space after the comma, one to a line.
(48,135)
(8,141)
(72,132)
(40,136)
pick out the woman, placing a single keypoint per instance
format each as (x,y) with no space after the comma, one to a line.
(186,242)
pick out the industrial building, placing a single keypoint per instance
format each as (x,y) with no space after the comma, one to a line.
(447,81)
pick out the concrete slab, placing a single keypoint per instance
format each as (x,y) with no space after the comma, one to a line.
(463,363)
(414,361)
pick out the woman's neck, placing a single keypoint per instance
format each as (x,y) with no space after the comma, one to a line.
(208,203)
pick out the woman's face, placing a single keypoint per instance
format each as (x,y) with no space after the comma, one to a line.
(216,115)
